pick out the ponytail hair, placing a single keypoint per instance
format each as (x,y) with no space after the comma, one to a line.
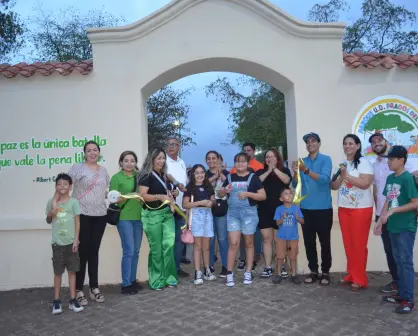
(358,154)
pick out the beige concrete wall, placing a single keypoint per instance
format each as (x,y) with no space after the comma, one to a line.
(302,60)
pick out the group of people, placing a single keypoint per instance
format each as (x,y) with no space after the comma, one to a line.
(231,208)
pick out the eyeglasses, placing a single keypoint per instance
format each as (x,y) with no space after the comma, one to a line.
(172,145)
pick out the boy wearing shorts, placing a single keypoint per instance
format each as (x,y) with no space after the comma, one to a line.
(287,217)
(63,212)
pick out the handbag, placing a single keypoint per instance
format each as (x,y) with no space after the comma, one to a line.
(186,234)
(113,211)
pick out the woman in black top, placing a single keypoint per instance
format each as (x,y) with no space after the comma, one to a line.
(274,177)
(158,219)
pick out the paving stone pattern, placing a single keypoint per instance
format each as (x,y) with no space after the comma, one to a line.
(260,309)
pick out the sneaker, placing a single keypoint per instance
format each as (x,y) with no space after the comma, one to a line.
(392,299)
(198,279)
(284,273)
(405,307)
(389,288)
(223,273)
(212,269)
(277,278)
(56,307)
(75,306)
(182,274)
(241,265)
(208,276)
(295,279)
(137,285)
(127,290)
(82,300)
(174,285)
(267,273)
(230,280)
(215,258)
(248,278)
(185,261)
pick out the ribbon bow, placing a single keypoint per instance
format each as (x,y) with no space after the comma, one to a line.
(298,191)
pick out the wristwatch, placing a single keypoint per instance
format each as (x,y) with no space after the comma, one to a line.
(307,171)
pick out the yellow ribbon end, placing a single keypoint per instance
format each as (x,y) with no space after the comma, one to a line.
(298,191)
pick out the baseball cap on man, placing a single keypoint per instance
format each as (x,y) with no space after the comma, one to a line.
(380,135)
(398,152)
(311,135)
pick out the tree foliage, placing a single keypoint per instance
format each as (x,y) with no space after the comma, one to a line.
(64,37)
(388,121)
(11,31)
(167,116)
(382,27)
(258,117)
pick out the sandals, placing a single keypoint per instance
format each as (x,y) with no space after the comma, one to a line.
(311,278)
(325,279)
(81,298)
(356,287)
(96,295)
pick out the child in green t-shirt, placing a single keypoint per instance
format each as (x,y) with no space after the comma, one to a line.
(63,212)
(399,214)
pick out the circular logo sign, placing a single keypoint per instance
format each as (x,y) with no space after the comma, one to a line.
(395,117)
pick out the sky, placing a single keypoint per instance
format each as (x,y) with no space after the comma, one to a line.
(212,131)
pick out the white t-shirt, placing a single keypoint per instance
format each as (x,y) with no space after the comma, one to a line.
(350,196)
(177,169)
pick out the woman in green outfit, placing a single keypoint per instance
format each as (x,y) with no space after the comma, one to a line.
(158,220)
(129,225)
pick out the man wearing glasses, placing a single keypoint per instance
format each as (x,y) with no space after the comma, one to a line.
(177,169)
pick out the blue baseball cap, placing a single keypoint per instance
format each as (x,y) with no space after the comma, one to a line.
(311,135)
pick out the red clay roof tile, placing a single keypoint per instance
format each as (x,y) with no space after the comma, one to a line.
(46,69)
(372,60)
(369,60)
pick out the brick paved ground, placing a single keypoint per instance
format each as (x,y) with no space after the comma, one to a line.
(260,309)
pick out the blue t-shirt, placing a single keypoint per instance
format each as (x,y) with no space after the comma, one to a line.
(288,230)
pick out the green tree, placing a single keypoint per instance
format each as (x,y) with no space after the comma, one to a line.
(387,121)
(383,27)
(167,111)
(63,37)
(11,31)
(258,117)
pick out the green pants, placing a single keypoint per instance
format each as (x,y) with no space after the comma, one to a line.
(159,228)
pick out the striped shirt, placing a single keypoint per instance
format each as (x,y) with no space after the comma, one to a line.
(90,189)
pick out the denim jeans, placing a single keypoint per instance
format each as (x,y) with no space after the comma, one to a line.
(178,245)
(402,249)
(388,251)
(219,228)
(130,232)
(257,245)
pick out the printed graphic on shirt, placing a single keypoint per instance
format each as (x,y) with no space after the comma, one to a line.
(348,193)
(393,192)
(289,220)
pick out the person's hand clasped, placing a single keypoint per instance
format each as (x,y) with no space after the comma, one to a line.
(207,203)
(175,193)
(377,230)
(243,195)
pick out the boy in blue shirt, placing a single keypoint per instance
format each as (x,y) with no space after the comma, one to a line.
(287,217)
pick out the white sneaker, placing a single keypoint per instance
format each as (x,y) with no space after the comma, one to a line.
(208,276)
(74,305)
(56,307)
(82,300)
(248,278)
(198,278)
(230,280)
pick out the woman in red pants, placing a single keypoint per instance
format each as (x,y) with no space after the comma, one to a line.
(355,210)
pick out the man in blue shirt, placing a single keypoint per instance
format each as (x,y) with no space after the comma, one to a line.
(316,207)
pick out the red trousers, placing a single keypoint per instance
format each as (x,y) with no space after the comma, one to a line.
(355,227)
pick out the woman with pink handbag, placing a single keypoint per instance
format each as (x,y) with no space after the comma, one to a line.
(199,198)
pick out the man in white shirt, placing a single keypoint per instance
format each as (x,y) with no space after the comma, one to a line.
(381,172)
(177,169)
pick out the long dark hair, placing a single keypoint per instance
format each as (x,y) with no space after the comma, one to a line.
(279,159)
(358,154)
(192,182)
(126,153)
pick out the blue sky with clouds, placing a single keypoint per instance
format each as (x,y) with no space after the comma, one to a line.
(212,131)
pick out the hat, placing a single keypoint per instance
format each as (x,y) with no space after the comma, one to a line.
(380,135)
(311,135)
(398,152)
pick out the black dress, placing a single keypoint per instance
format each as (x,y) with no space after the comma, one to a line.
(266,209)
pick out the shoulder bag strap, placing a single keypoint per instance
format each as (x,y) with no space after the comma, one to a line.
(249,178)
(189,218)
(160,180)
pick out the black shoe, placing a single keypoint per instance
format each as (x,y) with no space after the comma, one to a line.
(182,274)
(241,265)
(215,258)
(185,261)
(295,279)
(137,285)
(392,299)
(277,278)
(405,307)
(267,273)
(128,290)
(212,269)
(254,265)
(223,273)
